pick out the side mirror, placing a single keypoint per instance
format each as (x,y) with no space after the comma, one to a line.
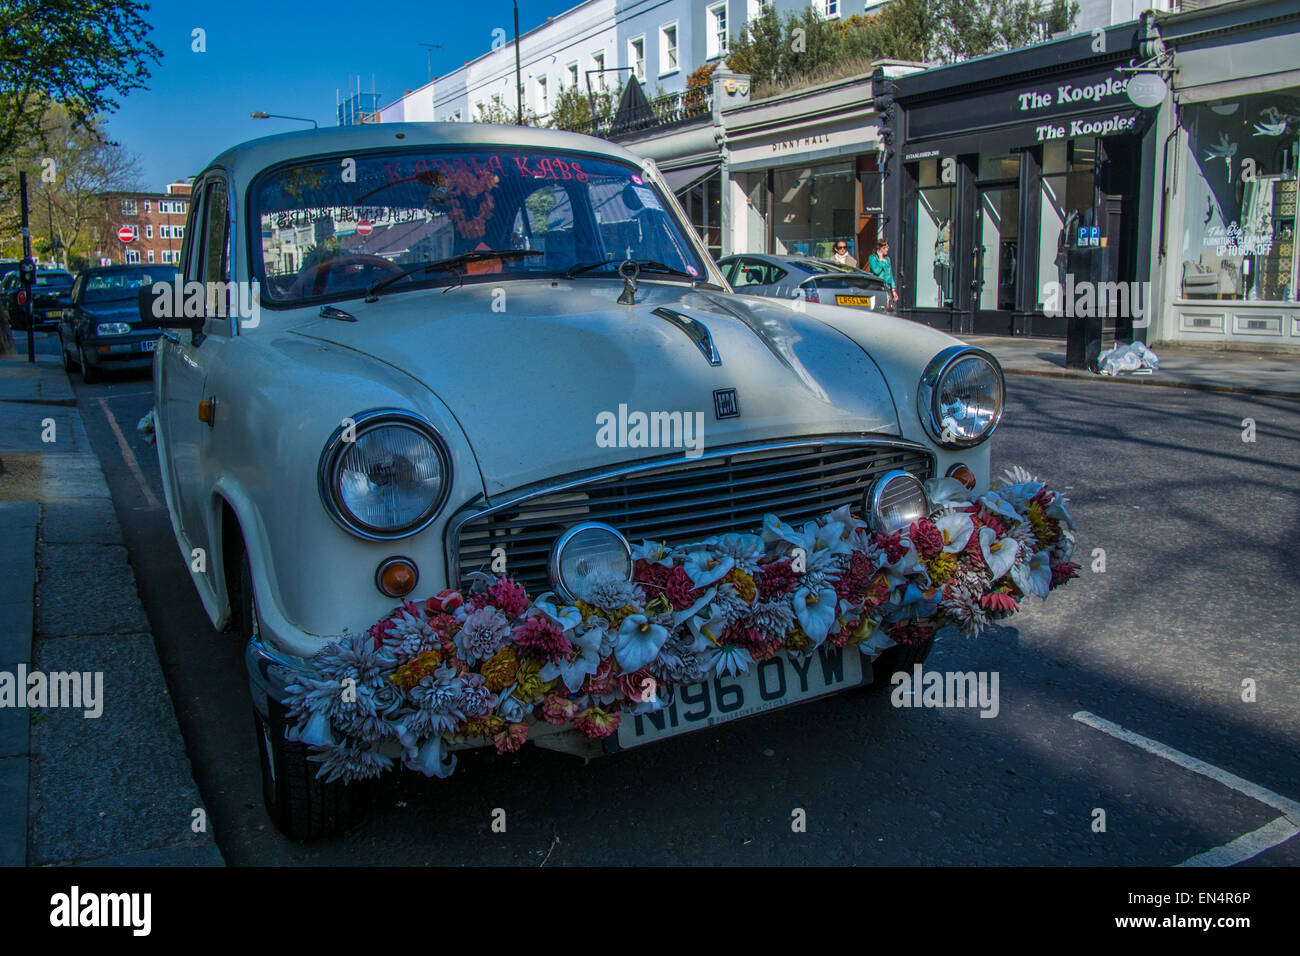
(161,306)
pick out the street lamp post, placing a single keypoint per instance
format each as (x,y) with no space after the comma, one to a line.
(259,115)
(519,83)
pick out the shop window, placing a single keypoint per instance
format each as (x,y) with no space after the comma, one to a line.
(999,165)
(812,206)
(934,210)
(1239,211)
(703,206)
(1067,203)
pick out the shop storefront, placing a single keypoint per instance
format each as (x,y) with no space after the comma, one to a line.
(803,171)
(1017,183)
(1230,174)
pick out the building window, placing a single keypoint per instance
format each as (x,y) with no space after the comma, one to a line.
(146,205)
(149,256)
(128,207)
(598,64)
(668,49)
(543,97)
(935,207)
(1239,199)
(148,230)
(715,19)
(572,70)
(831,9)
(132,256)
(636,58)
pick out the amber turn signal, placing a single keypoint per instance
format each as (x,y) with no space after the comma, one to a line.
(208,411)
(397,577)
(964,475)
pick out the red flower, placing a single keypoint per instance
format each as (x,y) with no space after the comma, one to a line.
(557,709)
(997,602)
(444,601)
(596,723)
(892,545)
(972,552)
(504,595)
(511,738)
(927,538)
(911,635)
(991,520)
(1063,572)
(680,589)
(857,579)
(776,579)
(638,686)
(540,639)
(604,681)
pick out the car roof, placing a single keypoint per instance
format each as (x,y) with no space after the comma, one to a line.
(248,159)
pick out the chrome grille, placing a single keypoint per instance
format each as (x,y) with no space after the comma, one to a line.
(681,501)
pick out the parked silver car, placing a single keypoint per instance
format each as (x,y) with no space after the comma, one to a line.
(804,278)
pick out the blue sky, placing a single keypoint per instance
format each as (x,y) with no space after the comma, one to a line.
(289,56)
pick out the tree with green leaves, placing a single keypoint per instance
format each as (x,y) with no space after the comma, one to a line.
(496,111)
(572,111)
(81,54)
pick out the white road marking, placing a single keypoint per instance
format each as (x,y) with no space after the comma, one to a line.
(1245,846)
(128,455)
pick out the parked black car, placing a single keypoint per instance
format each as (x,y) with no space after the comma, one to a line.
(51,296)
(103,328)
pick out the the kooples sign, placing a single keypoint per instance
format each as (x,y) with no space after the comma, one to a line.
(1048,104)
(1072,93)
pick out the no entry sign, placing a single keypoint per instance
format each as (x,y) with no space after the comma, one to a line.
(365,228)
(126,234)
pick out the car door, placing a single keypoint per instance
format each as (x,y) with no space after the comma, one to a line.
(184,363)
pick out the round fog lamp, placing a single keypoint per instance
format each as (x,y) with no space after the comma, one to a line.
(963,474)
(397,577)
(586,554)
(895,501)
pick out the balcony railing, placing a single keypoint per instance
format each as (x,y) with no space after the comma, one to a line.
(665,112)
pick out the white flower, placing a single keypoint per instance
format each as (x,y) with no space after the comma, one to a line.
(946,491)
(816,612)
(997,503)
(431,760)
(704,568)
(690,612)
(744,549)
(707,633)
(656,552)
(732,660)
(566,617)
(585,661)
(1034,576)
(999,555)
(483,634)
(638,642)
(774,530)
(956,529)
(845,518)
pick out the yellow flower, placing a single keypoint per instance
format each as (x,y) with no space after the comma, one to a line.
(743,584)
(482,726)
(866,627)
(942,567)
(500,669)
(616,617)
(530,686)
(417,668)
(797,640)
(1038,521)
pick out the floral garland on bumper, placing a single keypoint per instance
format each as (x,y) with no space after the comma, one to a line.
(483,664)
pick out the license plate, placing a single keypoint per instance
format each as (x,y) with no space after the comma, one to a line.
(859,300)
(54,314)
(148,345)
(767,685)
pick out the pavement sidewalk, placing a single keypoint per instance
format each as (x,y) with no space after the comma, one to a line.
(111,790)
(1181,366)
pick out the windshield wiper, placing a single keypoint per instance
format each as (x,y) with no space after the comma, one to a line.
(448,265)
(645,265)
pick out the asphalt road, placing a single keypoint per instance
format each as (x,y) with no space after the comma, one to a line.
(1201,533)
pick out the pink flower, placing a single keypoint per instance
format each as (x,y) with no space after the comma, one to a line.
(511,738)
(997,602)
(776,579)
(557,709)
(540,639)
(443,601)
(596,723)
(927,538)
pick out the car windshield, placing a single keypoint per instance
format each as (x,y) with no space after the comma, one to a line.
(53,281)
(330,230)
(122,284)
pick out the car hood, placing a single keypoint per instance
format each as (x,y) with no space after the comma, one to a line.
(530,367)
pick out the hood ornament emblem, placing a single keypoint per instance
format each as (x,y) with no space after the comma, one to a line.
(628,295)
(696,330)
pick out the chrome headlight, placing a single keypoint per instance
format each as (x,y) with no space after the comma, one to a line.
(384,475)
(112,328)
(895,501)
(586,554)
(960,396)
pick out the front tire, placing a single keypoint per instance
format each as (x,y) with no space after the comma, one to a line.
(64,360)
(90,374)
(301,806)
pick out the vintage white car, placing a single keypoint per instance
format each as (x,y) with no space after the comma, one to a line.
(419,352)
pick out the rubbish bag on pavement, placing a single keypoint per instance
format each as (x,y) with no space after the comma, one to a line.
(1135,358)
